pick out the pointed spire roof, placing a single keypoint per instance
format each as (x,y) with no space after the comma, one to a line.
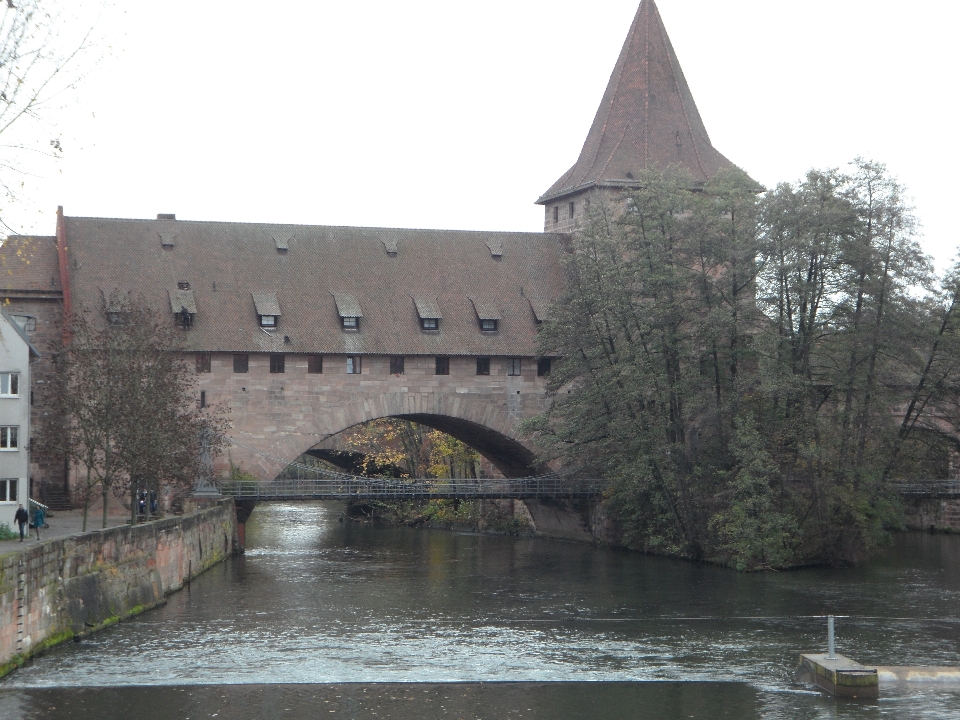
(647,117)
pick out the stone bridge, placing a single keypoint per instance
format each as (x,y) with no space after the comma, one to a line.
(275,418)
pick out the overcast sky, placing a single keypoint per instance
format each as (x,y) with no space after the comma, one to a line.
(459,115)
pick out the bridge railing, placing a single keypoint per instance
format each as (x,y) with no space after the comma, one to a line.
(353,487)
(928,488)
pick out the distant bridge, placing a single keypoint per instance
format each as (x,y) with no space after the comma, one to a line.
(309,482)
(352,487)
(928,488)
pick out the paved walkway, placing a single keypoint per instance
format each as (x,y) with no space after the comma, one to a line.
(63,523)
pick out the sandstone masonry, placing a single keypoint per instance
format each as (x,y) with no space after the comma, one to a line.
(70,587)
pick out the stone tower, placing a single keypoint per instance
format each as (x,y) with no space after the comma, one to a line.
(647,118)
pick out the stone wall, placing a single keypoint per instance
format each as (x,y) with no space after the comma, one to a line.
(69,587)
(577,520)
(933,513)
(282,415)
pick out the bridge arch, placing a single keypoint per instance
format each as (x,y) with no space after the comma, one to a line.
(486,426)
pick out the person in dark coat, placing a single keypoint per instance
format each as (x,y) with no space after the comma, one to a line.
(22,519)
(38,519)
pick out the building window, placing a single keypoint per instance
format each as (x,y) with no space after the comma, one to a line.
(9,437)
(350,323)
(513,366)
(353,364)
(203,362)
(556,214)
(396,366)
(10,384)
(268,321)
(314,364)
(443,366)
(277,363)
(241,363)
(203,398)
(488,325)
(571,211)
(8,489)
(430,323)
(543,367)
(483,366)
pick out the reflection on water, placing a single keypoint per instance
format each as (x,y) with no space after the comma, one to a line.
(320,601)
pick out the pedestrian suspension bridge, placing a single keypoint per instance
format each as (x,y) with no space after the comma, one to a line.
(299,481)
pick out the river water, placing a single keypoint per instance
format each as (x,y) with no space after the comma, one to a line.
(357,620)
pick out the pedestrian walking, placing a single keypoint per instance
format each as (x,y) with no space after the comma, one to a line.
(38,519)
(22,518)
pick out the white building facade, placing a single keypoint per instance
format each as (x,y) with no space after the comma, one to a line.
(16,354)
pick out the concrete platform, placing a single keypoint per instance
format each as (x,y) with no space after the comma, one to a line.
(839,676)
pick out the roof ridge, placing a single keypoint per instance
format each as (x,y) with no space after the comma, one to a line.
(298,225)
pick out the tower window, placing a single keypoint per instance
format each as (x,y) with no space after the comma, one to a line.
(277,363)
(315,364)
(396,366)
(483,366)
(513,366)
(443,366)
(241,363)
(203,398)
(556,214)
(571,211)
(203,362)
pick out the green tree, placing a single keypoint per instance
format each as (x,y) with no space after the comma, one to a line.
(737,366)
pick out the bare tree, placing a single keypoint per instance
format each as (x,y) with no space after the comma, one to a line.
(41,43)
(128,414)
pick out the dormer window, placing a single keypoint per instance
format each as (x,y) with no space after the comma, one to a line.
(183,305)
(349,311)
(488,314)
(184,319)
(267,308)
(428,311)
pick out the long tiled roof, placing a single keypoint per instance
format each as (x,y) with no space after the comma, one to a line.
(647,118)
(383,270)
(29,264)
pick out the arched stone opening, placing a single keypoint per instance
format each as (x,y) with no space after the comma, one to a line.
(481,420)
(509,456)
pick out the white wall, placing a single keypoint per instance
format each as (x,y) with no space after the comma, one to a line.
(15,357)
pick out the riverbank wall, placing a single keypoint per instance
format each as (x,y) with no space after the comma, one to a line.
(557,519)
(66,588)
(936,514)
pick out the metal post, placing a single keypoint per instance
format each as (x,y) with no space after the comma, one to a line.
(830,653)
